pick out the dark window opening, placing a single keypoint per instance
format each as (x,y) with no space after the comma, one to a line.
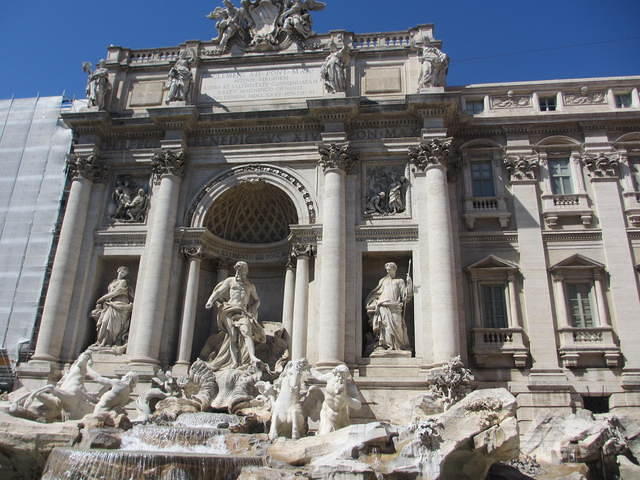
(596,404)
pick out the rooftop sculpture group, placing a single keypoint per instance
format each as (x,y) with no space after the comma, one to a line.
(264,25)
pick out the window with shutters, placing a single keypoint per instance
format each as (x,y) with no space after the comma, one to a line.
(494,306)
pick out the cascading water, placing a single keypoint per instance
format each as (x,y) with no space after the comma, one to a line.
(193,448)
(72,464)
(174,439)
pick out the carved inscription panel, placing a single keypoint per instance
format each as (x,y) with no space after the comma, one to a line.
(239,85)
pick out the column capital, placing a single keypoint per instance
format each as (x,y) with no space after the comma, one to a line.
(168,162)
(602,165)
(337,156)
(522,168)
(88,166)
(302,250)
(193,252)
(431,153)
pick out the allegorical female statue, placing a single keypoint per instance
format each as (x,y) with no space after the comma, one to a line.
(113,312)
(435,66)
(334,70)
(97,84)
(180,79)
(386,306)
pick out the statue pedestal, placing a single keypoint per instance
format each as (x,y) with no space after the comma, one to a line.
(109,362)
(431,90)
(381,353)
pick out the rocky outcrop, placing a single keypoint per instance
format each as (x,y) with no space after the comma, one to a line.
(462,443)
(25,445)
(346,443)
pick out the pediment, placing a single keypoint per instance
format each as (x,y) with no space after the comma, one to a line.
(493,262)
(578,261)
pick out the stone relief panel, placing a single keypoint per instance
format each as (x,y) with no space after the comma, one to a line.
(129,201)
(510,100)
(585,97)
(385,191)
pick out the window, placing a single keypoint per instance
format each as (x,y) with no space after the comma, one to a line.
(494,307)
(482,179)
(580,299)
(623,100)
(548,104)
(560,173)
(474,107)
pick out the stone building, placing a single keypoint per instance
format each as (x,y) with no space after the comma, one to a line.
(513,207)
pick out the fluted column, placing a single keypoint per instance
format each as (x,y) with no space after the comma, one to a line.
(431,159)
(84,171)
(288,301)
(194,257)
(303,255)
(150,305)
(336,160)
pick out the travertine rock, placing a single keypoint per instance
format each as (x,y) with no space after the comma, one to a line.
(262,473)
(342,443)
(628,470)
(462,443)
(105,439)
(26,445)
(578,438)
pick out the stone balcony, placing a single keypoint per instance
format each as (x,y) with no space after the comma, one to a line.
(480,208)
(632,208)
(589,347)
(574,205)
(500,347)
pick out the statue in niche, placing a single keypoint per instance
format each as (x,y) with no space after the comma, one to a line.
(387,191)
(180,81)
(113,312)
(334,71)
(131,203)
(97,84)
(435,66)
(386,306)
(237,301)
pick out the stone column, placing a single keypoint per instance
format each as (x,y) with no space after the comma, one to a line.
(620,262)
(288,301)
(336,161)
(194,257)
(84,171)
(431,159)
(150,304)
(302,253)
(524,170)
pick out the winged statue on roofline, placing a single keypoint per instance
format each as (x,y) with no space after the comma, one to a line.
(263,25)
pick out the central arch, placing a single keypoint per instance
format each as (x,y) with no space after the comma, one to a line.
(285,180)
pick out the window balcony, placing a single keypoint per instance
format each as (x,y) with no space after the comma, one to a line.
(589,347)
(632,208)
(571,205)
(500,347)
(479,208)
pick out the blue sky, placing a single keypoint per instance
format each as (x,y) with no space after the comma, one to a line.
(44,42)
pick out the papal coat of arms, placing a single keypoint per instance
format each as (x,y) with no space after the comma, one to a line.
(263,25)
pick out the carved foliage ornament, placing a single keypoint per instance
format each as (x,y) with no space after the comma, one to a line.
(337,156)
(435,152)
(302,250)
(193,251)
(522,167)
(89,167)
(168,162)
(602,165)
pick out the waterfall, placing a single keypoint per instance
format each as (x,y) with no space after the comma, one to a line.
(73,464)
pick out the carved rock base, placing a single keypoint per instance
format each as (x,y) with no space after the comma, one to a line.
(382,353)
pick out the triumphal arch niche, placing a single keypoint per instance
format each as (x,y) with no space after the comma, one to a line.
(271,194)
